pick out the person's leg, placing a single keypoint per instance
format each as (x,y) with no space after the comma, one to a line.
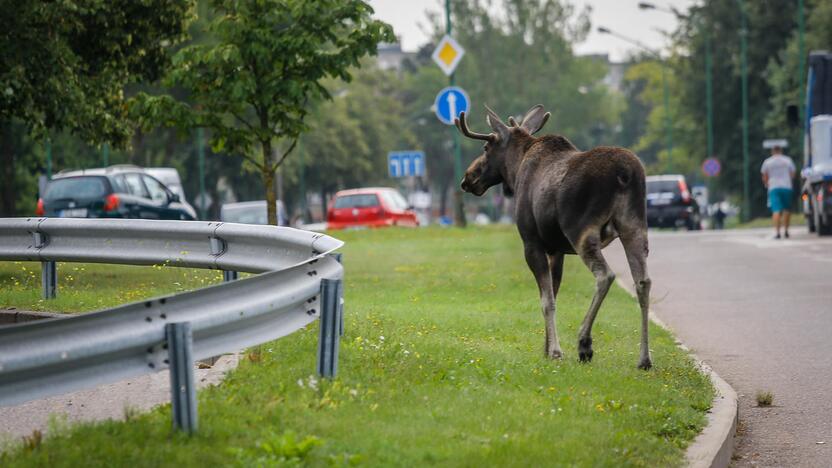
(775,218)
(786,216)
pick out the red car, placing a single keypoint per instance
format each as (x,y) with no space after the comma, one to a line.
(369,207)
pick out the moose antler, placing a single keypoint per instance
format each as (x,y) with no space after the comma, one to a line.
(462,125)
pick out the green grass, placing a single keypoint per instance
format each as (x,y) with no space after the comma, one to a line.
(85,287)
(441,364)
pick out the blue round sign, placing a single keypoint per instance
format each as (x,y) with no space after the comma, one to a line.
(449,103)
(711,167)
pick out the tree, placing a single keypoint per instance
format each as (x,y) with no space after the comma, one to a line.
(769,31)
(64,66)
(254,84)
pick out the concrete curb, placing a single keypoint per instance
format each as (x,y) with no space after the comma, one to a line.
(713,447)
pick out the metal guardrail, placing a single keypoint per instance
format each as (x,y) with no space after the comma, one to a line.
(55,356)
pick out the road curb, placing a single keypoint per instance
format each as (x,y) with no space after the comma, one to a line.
(713,447)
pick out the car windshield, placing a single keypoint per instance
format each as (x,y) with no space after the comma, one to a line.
(662,186)
(395,200)
(356,201)
(75,188)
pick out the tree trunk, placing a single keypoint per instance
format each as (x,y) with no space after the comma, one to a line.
(268,181)
(8,207)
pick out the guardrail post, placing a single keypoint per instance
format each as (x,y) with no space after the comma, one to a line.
(329,338)
(49,279)
(230,275)
(183,390)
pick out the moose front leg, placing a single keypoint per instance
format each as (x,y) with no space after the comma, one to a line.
(545,271)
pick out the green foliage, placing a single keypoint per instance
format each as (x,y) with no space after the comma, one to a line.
(64,64)
(441,364)
(770,24)
(254,82)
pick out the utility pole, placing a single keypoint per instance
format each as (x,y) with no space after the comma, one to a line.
(746,187)
(801,78)
(105,154)
(459,207)
(200,148)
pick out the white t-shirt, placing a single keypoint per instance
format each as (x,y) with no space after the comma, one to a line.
(779,169)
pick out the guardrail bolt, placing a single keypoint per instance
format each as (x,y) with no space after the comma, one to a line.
(329,337)
(229,275)
(49,279)
(183,391)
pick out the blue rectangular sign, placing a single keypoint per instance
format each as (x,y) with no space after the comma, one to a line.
(406,163)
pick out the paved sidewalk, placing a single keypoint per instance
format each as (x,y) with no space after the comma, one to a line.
(759,311)
(110,401)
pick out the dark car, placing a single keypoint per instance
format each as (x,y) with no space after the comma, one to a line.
(113,192)
(670,204)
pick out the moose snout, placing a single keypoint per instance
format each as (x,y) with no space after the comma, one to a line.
(465,185)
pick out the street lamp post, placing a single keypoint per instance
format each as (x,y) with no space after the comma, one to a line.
(801,78)
(746,187)
(667,118)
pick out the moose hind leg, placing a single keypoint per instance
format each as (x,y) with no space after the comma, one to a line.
(635,246)
(539,265)
(590,252)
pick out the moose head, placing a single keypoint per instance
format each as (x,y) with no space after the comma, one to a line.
(503,147)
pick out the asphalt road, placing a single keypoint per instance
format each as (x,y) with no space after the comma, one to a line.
(759,311)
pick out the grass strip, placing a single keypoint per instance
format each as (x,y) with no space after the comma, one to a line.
(441,364)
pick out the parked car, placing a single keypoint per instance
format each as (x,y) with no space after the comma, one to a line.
(252,212)
(670,204)
(113,192)
(170,177)
(369,207)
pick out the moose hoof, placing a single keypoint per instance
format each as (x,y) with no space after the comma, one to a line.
(585,350)
(645,364)
(554,354)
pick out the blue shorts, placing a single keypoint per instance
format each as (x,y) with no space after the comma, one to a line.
(780,199)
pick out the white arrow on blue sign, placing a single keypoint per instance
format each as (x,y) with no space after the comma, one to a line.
(406,163)
(449,103)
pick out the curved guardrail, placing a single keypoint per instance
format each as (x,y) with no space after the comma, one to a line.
(301,283)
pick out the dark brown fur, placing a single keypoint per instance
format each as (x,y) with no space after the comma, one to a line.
(567,202)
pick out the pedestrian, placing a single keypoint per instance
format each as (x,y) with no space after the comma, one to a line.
(778,172)
(719,217)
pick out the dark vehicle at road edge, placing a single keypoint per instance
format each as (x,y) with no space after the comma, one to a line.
(670,203)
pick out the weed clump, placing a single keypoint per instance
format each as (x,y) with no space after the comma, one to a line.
(764,399)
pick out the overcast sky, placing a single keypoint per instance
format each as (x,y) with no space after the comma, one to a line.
(622,16)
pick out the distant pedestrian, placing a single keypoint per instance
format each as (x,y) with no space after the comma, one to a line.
(778,172)
(719,217)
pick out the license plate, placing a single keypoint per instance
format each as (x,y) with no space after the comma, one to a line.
(73,213)
(660,201)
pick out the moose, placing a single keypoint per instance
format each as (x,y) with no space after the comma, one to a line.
(567,202)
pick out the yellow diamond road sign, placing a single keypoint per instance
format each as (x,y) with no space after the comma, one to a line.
(448,54)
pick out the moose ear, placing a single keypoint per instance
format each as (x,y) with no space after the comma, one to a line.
(535,119)
(496,124)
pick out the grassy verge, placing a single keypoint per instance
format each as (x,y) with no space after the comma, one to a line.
(441,364)
(85,287)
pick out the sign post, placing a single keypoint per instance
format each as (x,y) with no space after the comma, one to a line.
(447,55)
